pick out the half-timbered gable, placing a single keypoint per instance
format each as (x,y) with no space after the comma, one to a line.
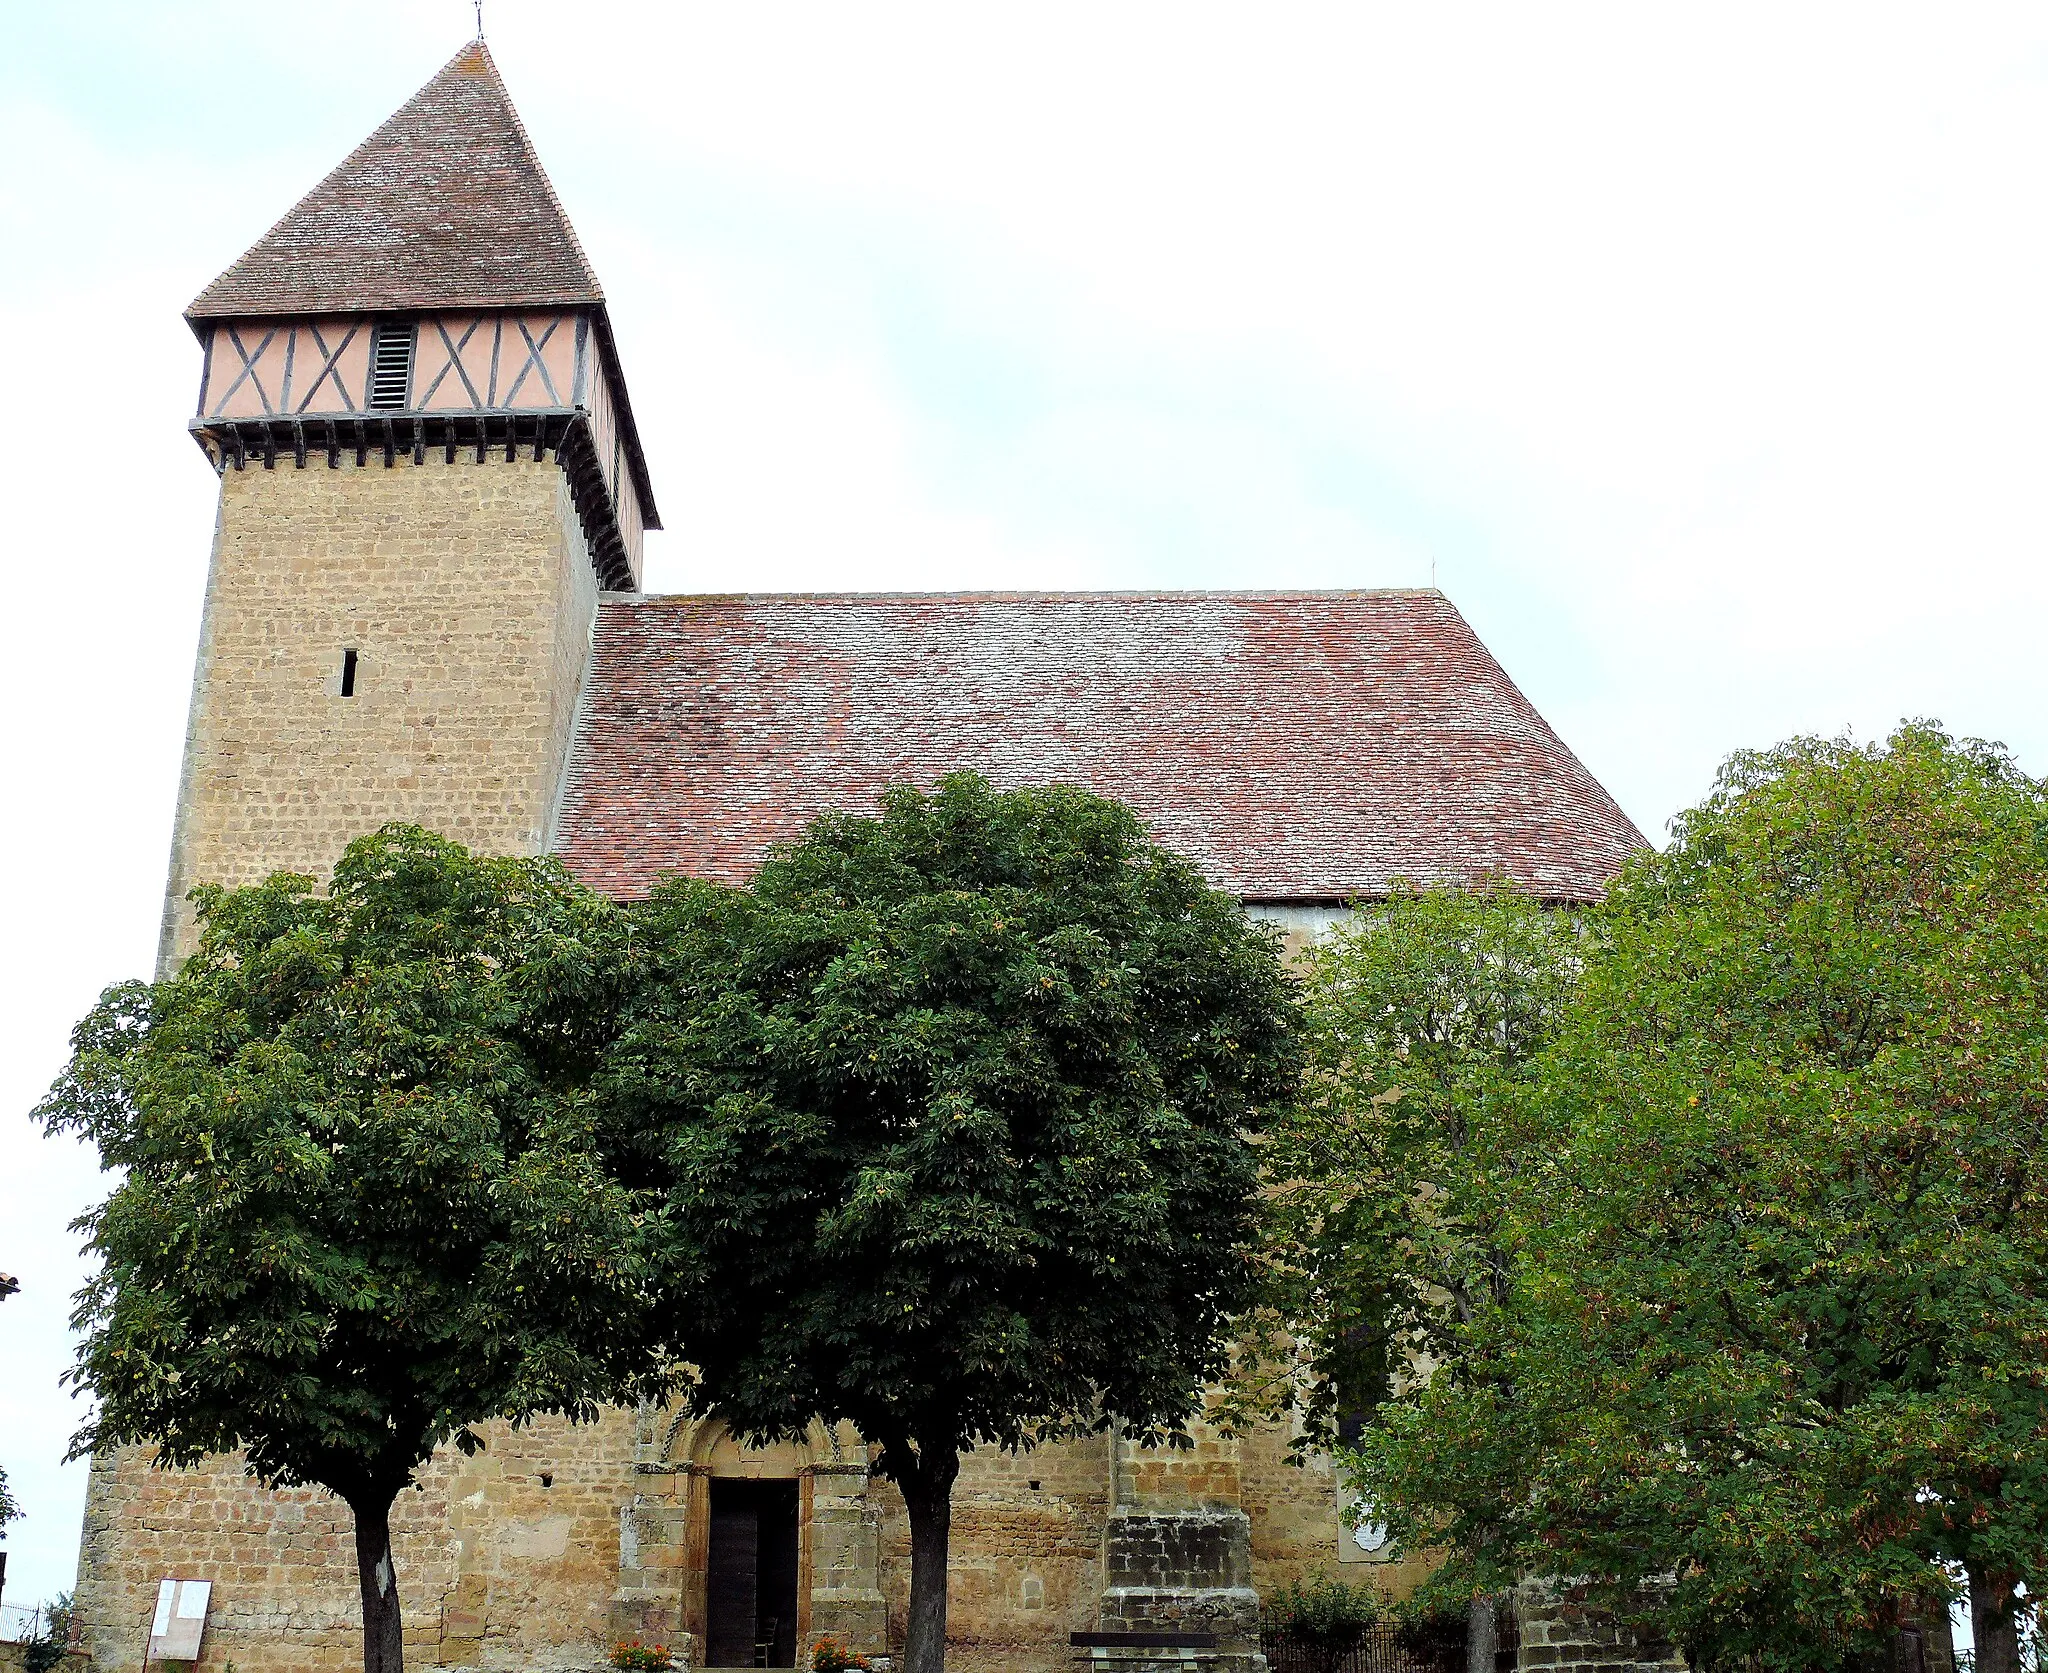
(429,296)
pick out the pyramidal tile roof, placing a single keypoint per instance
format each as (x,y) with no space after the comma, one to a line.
(1296,746)
(444,206)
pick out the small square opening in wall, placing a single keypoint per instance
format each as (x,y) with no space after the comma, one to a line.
(348,673)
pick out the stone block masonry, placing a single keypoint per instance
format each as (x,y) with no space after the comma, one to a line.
(509,1557)
(1560,1629)
(466,592)
(558,1539)
(410,632)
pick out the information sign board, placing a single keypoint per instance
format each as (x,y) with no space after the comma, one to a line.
(180,1619)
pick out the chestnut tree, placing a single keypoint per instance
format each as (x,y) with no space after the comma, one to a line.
(363,1205)
(952,1111)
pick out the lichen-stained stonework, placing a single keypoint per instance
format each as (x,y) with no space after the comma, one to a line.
(1561,1631)
(467,594)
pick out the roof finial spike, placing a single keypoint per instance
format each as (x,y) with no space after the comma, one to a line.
(479,4)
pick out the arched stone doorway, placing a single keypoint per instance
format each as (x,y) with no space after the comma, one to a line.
(738,1556)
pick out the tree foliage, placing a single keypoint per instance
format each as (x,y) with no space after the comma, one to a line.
(951,1111)
(363,1206)
(1381,1233)
(50,1639)
(1777,1313)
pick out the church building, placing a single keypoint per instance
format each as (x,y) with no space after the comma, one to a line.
(424,604)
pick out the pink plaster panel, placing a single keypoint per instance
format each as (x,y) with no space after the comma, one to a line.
(480,355)
(536,361)
(496,362)
(330,365)
(246,368)
(452,365)
(560,357)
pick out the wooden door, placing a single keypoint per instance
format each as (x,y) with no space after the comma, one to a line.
(751,1575)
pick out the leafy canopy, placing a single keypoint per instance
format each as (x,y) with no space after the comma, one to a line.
(950,1110)
(1780,1296)
(47,1644)
(363,1206)
(1381,1234)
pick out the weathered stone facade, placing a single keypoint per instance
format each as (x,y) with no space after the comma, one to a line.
(1560,1629)
(558,1540)
(496,1566)
(466,592)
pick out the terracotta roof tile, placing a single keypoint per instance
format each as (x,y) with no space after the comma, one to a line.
(445,205)
(1305,746)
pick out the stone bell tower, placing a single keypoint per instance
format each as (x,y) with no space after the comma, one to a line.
(429,471)
(429,475)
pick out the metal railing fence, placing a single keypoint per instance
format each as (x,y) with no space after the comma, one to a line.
(1377,1649)
(1390,1648)
(20,1624)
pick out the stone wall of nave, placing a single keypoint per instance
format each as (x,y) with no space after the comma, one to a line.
(508,1558)
(517,1558)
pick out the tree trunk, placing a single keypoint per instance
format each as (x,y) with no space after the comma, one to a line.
(383,1630)
(1992,1623)
(927,1485)
(1482,1638)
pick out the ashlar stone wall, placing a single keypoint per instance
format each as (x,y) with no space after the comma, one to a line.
(509,1558)
(467,593)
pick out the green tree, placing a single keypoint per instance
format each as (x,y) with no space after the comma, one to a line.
(363,1207)
(51,1637)
(952,1109)
(1381,1224)
(1777,1319)
(1321,1621)
(1383,1237)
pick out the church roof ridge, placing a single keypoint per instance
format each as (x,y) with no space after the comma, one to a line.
(445,205)
(978,595)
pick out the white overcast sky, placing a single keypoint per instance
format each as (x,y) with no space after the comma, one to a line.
(1699,353)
